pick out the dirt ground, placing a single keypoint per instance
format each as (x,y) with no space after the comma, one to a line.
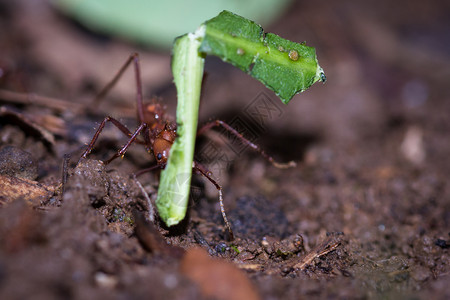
(364,215)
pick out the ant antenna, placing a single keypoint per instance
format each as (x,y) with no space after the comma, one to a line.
(255,147)
(208,174)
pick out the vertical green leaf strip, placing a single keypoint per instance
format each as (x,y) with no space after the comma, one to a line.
(285,67)
(174,186)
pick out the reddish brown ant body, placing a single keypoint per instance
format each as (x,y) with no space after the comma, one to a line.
(159,134)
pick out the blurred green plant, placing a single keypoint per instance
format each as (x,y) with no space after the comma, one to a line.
(157,23)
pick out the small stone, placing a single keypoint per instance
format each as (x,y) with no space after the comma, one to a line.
(420,273)
(106,281)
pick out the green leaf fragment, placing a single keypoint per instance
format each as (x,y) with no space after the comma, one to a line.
(174,186)
(285,67)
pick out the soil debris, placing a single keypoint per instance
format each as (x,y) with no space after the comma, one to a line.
(329,244)
(28,124)
(13,188)
(256,217)
(17,162)
(151,238)
(217,278)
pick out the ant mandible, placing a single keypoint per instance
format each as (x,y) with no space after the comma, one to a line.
(159,134)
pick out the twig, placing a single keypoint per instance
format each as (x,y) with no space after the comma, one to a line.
(23,98)
(328,245)
(151,210)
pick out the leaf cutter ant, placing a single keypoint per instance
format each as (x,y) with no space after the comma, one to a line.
(158,133)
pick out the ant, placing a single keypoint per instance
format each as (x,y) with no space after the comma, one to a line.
(159,134)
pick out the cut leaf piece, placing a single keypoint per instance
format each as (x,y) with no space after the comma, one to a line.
(285,67)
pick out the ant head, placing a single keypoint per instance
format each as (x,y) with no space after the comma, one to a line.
(162,144)
(161,150)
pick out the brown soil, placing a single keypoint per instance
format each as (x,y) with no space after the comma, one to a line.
(365,214)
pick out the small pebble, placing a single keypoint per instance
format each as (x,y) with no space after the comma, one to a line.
(105,281)
(420,273)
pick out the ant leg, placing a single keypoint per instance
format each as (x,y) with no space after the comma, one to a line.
(137,71)
(140,108)
(206,173)
(139,100)
(255,147)
(116,123)
(124,149)
(65,172)
(113,82)
(140,172)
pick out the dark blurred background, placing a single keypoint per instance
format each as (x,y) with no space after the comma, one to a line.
(381,58)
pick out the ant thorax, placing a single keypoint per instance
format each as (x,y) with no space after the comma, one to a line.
(154,115)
